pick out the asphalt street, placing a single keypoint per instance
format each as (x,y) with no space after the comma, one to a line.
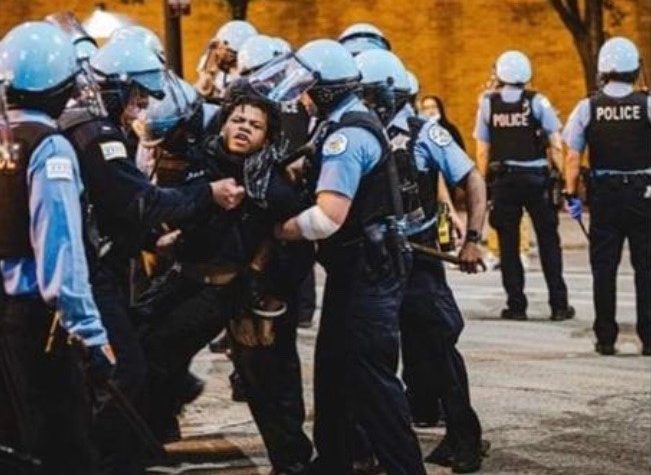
(548,403)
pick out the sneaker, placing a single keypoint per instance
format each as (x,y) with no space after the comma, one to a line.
(470,461)
(510,314)
(560,314)
(605,349)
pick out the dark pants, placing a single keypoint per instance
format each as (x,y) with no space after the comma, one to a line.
(271,376)
(121,451)
(619,212)
(512,193)
(197,314)
(44,406)
(355,365)
(307,297)
(430,323)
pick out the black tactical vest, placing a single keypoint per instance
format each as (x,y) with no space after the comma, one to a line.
(14,193)
(373,200)
(427,187)
(295,126)
(515,133)
(619,133)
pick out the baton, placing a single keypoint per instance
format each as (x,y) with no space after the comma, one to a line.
(13,456)
(582,226)
(433,252)
(132,416)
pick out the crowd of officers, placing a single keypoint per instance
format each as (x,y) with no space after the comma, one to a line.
(237,184)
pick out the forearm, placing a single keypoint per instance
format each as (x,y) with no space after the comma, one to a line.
(442,192)
(156,205)
(61,266)
(482,157)
(475,188)
(556,151)
(572,171)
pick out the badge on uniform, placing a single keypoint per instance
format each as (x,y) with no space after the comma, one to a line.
(439,135)
(58,168)
(335,144)
(113,150)
(399,142)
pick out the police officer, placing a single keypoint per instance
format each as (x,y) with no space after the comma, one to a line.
(360,37)
(514,127)
(615,125)
(354,220)
(430,319)
(125,206)
(218,64)
(43,268)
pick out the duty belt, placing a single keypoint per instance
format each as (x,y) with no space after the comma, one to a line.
(634,177)
(211,274)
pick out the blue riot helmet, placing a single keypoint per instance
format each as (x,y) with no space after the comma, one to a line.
(221,53)
(322,68)
(282,46)
(414,88)
(363,36)
(619,59)
(87,93)
(255,53)
(234,33)
(39,62)
(164,119)
(385,84)
(513,67)
(142,35)
(85,45)
(128,74)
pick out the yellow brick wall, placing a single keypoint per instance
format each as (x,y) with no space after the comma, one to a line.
(449,44)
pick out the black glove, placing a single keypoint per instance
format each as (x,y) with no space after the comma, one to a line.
(100,363)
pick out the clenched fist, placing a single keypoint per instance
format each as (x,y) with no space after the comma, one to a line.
(227,193)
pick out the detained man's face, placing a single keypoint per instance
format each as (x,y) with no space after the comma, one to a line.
(245,130)
(429,108)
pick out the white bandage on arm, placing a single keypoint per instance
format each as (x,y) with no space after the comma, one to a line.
(315,224)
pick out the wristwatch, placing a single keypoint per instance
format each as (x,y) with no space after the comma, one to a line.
(473,236)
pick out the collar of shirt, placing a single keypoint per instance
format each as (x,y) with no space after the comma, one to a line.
(618,89)
(353,103)
(30,115)
(511,93)
(400,119)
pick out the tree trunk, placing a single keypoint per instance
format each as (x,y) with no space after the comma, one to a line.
(587,32)
(238,9)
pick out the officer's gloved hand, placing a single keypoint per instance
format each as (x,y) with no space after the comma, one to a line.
(100,363)
(574,206)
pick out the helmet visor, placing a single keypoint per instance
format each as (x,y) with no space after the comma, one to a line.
(283,80)
(152,81)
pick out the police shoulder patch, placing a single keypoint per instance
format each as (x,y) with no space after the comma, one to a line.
(113,150)
(439,135)
(58,168)
(336,144)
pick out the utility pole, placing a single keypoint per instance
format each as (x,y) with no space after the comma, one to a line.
(173,10)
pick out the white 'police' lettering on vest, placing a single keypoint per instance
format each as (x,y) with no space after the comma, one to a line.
(619,113)
(514,119)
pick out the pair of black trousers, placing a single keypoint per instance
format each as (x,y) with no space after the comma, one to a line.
(511,193)
(620,211)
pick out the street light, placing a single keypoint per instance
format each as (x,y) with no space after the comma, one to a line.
(101,24)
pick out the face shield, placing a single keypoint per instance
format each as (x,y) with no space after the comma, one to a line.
(162,116)
(283,80)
